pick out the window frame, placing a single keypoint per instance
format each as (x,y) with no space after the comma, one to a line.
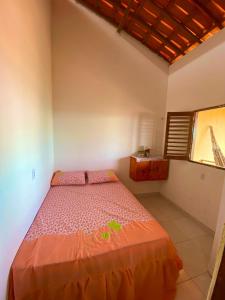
(191,132)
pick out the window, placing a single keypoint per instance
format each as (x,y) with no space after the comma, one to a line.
(197,136)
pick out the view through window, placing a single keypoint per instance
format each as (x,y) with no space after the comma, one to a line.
(209,137)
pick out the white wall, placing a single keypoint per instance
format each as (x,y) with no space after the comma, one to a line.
(219,230)
(103,84)
(195,82)
(25,121)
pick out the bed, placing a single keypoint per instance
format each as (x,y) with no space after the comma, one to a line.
(94,241)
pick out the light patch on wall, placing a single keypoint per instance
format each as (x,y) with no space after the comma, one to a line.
(147,131)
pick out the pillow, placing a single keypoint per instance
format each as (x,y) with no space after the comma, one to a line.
(68,178)
(101,176)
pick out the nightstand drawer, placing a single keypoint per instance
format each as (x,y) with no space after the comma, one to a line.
(149,169)
(142,174)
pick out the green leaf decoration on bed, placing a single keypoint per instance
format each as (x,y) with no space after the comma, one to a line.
(114,225)
(105,235)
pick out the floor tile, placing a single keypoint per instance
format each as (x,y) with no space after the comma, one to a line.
(183,276)
(190,227)
(168,213)
(195,254)
(176,233)
(206,242)
(203,282)
(152,201)
(161,208)
(189,291)
(193,242)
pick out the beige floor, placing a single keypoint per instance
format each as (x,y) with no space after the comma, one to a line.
(193,242)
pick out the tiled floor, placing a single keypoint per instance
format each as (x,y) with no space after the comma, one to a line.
(193,242)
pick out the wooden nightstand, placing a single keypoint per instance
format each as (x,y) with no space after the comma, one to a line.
(142,169)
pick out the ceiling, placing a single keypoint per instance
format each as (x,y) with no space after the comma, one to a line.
(170,28)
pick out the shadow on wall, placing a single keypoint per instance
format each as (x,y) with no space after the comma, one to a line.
(107,92)
(122,167)
(105,65)
(143,187)
(150,133)
(146,133)
(92,140)
(150,55)
(155,59)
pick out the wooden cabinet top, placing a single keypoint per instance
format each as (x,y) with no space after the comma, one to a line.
(151,158)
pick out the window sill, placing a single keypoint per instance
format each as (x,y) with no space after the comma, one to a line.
(207,165)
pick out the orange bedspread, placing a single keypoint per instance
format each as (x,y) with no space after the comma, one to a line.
(86,258)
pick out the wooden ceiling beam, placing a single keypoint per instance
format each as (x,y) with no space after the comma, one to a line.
(127,12)
(153,49)
(125,18)
(108,19)
(208,13)
(174,33)
(152,30)
(179,25)
(187,19)
(166,41)
(196,39)
(143,30)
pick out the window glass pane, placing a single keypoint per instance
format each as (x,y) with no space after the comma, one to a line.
(209,137)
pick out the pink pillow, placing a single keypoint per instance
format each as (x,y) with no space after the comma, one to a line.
(68,178)
(101,176)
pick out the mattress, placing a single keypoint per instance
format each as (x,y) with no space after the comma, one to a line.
(94,242)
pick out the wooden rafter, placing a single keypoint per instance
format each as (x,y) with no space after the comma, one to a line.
(126,14)
(179,25)
(208,12)
(165,40)
(170,30)
(186,20)
(153,31)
